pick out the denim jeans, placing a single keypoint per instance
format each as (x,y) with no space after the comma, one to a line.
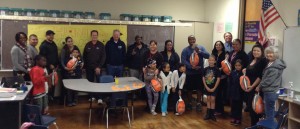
(115,70)
(164,101)
(269,101)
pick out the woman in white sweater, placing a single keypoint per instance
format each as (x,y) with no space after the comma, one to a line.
(178,80)
(165,75)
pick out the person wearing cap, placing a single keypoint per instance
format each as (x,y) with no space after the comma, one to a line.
(135,54)
(20,56)
(115,55)
(151,72)
(49,50)
(194,73)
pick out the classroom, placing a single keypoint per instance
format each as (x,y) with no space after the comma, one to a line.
(159,64)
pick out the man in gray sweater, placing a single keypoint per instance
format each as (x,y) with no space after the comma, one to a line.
(33,41)
(20,57)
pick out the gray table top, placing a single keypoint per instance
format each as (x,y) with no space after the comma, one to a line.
(83,85)
(17,97)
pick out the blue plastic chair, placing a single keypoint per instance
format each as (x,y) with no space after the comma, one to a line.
(38,127)
(271,124)
(32,113)
(106,79)
(117,100)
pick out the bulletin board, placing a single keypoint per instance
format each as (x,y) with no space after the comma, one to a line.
(79,33)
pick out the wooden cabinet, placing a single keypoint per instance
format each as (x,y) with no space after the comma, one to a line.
(294,112)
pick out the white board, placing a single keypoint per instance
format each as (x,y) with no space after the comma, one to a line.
(291,56)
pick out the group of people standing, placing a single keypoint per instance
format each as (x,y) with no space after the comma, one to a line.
(262,66)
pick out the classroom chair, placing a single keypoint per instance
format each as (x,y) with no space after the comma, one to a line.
(268,124)
(32,113)
(117,100)
(38,127)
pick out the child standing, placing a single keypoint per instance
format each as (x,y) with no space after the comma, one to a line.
(165,75)
(178,80)
(211,80)
(151,72)
(75,73)
(236,93)
(39,77)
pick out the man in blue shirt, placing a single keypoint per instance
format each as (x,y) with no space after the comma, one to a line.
(194,73)
(228,42)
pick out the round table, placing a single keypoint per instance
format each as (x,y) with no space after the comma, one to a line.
(126,84)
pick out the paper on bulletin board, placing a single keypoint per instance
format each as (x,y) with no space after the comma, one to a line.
(220,27)
(228,26)
(79,33)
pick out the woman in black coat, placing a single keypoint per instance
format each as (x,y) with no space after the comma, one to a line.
(170,56)
(254,72)
(238,53)
(219,53)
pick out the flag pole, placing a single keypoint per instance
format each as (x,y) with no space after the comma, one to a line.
(280,15)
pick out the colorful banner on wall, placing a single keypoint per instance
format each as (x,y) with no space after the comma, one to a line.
(251,32)
(79,33)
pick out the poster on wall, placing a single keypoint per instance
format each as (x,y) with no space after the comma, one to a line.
(251,32)
(220,27)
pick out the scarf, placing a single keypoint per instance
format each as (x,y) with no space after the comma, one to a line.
(27,62)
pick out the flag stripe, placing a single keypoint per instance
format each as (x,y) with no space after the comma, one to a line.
(269,18)
(269,10)
(272,21)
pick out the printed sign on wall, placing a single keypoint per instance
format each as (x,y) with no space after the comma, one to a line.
(251,31)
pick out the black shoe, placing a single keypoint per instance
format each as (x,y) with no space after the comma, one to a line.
(189,107)
(237,122)
(212,115)
(207,116)
(246,109)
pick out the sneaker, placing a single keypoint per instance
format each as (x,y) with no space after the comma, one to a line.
(217,113)
(100,101)
(69,104)
(153,113)
(177,114)
(189,107)
(74,104)
(92,99)
(206,117)
(163,114)
(232,121)
(166,113)
(237,122)
(199,107)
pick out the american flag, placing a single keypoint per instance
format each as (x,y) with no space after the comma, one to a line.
(268,15)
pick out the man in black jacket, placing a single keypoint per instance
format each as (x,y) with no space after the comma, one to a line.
(94,57)
(49,50)
(135,54)
(116,55)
